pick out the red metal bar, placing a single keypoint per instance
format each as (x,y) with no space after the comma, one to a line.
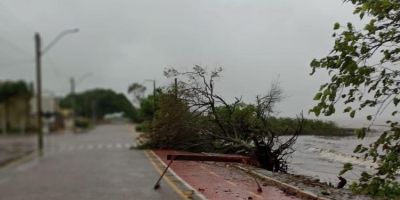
(209,157)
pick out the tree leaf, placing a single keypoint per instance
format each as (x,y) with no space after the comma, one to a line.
(318,96)
(352,113)
(360,133)
(336,26)
(346,167)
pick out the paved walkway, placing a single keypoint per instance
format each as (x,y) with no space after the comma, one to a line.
(92,166)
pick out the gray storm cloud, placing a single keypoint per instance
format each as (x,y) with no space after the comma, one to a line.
(125,41)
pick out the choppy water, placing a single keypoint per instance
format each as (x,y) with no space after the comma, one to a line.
(323,157)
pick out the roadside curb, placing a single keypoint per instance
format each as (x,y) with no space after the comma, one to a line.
(178,184)
(289,189)
(19,159)
(131,128)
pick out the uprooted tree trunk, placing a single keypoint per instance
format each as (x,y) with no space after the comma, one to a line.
(237,127)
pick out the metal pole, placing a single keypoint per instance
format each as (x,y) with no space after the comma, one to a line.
(56,39)
(154,100)
(93,111)
(38,54)
(72,81)
(39,91)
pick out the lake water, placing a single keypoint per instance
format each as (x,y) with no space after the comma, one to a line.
(323,157)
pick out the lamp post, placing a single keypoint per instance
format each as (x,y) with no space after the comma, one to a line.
(39,52)
(73,87)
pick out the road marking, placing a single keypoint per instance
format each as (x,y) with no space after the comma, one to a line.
(198,194)
(209,171)
(63,148)
(166,178)
(256,195)
(213,173)
(231,183)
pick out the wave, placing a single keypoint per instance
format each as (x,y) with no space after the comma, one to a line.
(342,157)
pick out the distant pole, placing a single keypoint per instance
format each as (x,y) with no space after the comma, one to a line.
(154,100)
(72,82)
(93,111)
(38,55)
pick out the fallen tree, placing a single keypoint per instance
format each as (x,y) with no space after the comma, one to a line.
(192,116)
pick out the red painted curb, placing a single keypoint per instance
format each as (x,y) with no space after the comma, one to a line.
(220,180)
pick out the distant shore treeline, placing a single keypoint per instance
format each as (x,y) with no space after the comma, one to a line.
(311,127)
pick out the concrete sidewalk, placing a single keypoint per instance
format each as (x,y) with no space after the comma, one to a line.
(15,147)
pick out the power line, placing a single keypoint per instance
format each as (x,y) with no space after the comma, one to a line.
(14,63)
(16,47)
(12,15)
(5,11)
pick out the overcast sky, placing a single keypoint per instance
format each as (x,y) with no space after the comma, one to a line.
(125,41)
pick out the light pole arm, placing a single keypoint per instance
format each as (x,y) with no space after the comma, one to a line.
(56,39)
(83,77)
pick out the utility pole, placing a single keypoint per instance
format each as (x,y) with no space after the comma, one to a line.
(38,54)
(93,104)
(154,88)
(154,100)
(72,82)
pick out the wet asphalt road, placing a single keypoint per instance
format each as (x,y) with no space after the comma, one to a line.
(97,165)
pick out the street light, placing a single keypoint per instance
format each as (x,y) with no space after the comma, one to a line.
(73,86)
(83,77)
(58,38)
(39,52)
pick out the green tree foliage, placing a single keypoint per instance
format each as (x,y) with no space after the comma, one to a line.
(10,90)
(310,127)
(146,111)
(175,126)
(99,102)
(148,107)
(363,67)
